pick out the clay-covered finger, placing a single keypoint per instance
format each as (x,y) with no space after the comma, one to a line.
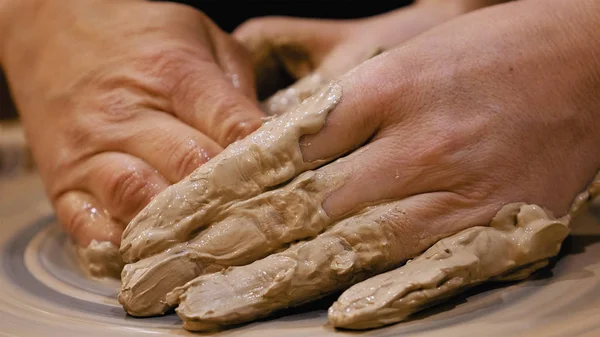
(96,234)
(518,241)
(250,230)
(353,249)
(145,283)
(288,98)
(267,158)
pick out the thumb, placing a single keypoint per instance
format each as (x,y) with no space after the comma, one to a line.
(286,49)
(85,220)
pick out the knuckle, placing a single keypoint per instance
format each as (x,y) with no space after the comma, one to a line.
(224,107)
(103,127)
(168,68)
(188,158)
(129,189)
(118,106)
(82,122)
(82,132)
(236,128)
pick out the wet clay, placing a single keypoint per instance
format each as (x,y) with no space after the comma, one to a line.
(286,99)
(245,169)
(518,241)
(100,259)
(346,253)
(230,211)
(250,230)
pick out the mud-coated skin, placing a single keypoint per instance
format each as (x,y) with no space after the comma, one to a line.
(247,168)
(100,259)
(347,253)
(443,157)
(251,230)
(216,217)
(519,240)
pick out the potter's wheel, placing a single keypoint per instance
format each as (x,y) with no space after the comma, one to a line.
(43,293)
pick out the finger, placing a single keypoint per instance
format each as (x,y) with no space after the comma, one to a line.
(235,61)
(373,174)
(207,100)
(96,235)
(165,143)
(123,184)
(267,158)
(299,45)
(145,283)
(519,241)
(250,229)
(350,251)
(582,199)
(361,109)
(417,166)
(84,219)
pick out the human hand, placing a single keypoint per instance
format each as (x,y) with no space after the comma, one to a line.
(314,51)
(445,131)
(120,99)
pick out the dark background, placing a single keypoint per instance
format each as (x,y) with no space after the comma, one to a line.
(229,14)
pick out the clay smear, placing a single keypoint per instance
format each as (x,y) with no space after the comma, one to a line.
(229,211)
(100,259)
(520,240)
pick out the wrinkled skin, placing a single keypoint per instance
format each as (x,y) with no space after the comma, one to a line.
(119,99)
(495,107)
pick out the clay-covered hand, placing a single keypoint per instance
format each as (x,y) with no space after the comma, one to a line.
(434,138)
(289,49)
(120,99)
